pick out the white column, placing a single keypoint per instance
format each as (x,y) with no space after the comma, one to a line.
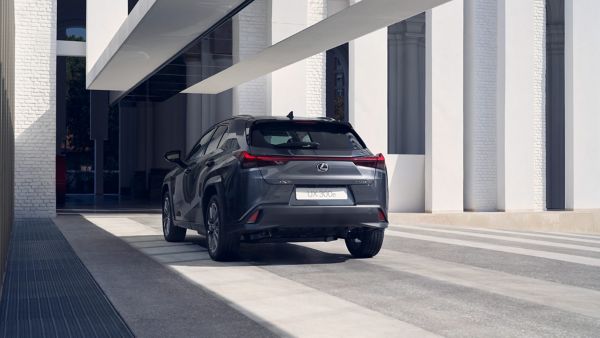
(369,88)
(520,119)
(316,65)
(582,107)
(251,36)
(103,19)
(288,85)
(444,108)
(480,105)
(35,108)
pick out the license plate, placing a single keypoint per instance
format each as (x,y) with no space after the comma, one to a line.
(311,194)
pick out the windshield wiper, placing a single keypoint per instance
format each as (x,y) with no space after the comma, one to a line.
(298,145)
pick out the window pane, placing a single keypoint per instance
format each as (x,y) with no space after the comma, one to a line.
(70,17)
(322,136)
(216,139)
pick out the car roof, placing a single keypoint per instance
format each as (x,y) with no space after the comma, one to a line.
(284,118)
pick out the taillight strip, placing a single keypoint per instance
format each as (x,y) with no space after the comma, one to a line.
(252,161)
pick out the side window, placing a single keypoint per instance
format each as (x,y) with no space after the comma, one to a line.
(214,142)
(229,142)
(199,148)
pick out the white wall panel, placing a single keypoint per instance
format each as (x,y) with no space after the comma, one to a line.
(444,108)
(520,105)
(582,109)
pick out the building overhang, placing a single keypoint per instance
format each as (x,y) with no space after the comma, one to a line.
(150,36)
(353,22)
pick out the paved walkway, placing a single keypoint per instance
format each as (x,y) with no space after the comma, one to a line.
(48,292)
(427,281)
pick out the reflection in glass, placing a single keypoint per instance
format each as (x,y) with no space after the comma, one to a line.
(337,83)
(75,146)
(71,21)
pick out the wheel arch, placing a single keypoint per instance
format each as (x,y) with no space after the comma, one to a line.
(213,186)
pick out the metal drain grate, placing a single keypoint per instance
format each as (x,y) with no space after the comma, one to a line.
(48,292)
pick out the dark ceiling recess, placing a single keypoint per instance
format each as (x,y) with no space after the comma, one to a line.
(207,57)
(132,4)
(209,54)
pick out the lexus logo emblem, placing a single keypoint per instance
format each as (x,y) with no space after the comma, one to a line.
(323,167)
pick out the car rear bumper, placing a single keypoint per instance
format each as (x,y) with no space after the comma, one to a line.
(317,220)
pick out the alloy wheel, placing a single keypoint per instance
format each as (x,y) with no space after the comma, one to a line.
(166,216)
(213,227)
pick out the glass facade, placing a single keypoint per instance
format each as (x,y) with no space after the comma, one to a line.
(75,148)
(71,20)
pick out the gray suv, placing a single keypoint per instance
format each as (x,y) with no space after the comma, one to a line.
(269,179)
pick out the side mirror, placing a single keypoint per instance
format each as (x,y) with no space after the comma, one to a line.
(175,157)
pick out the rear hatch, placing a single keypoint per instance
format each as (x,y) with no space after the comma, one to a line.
(322,159)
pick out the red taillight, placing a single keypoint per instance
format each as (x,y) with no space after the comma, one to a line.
(253,217)
(254,161)
(377,162)
(381,216)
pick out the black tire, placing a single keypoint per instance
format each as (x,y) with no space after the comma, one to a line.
(171,232)
(221,245)
(365,243)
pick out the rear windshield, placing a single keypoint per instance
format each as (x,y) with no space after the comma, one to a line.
(305,135)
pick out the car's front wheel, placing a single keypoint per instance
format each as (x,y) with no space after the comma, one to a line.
(365,243)
(222,246)
(171,232)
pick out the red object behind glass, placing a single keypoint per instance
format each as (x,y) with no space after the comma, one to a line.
(61,178)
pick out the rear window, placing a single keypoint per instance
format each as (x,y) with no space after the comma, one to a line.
(304,135)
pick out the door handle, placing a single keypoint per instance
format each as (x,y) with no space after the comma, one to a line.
(210,163)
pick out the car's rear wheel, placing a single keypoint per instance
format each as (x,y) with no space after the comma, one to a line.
(171,232)
(222,246)
(364,243)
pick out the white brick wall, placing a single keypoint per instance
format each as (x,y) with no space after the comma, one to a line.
(251,36)
(480,104)
(539,113)
(35,108)
(315,65)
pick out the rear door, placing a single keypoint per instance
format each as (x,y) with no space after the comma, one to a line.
(204,166)
(186,182)
(324,161)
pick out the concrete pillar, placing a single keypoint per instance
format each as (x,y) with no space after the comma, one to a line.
(288,18)
(35,108)
(316,82)
(582,104)
(368,88)
(250,36)
(368,113)
(444,108)
(520,107)
(480,105)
